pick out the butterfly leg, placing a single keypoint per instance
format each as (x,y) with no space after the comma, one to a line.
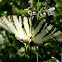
(26,48)
(26,53)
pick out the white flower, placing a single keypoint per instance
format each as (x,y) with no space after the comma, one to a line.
(44,14)
(30,1)
(30,12)
(55,58)
(51,9)
(3,46)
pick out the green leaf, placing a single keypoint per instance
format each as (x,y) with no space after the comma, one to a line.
(52,60)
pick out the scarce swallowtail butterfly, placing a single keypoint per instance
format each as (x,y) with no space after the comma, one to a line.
(26,33)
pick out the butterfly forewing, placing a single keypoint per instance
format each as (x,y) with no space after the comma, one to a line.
(46,32)
(26,25)
(7,25)
(37,28)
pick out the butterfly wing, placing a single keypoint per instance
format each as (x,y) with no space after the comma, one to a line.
(46,32)
(21,27)
(6,23)
(14,25)
(23,31)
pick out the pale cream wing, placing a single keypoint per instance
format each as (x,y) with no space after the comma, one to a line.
(13,24)
(26,26)
(22,28)
(7,24)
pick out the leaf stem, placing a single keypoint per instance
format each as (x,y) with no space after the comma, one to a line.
(38,10)
(61,54)
(37,56)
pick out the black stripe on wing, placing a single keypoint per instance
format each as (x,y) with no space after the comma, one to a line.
(25,24)
(22,24)
(36,24)
(40,29)
(28,22)
(7,18)
(59,36)
(11,18)
(50,31)
(56,31)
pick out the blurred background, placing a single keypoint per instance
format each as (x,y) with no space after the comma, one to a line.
(11,50)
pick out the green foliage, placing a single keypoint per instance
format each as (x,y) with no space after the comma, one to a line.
(52,60)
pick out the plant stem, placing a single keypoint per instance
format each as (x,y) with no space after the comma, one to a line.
(37,56)
(38,10)
(61,55)
(38,6)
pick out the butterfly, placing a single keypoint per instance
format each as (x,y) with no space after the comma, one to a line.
(27,33)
